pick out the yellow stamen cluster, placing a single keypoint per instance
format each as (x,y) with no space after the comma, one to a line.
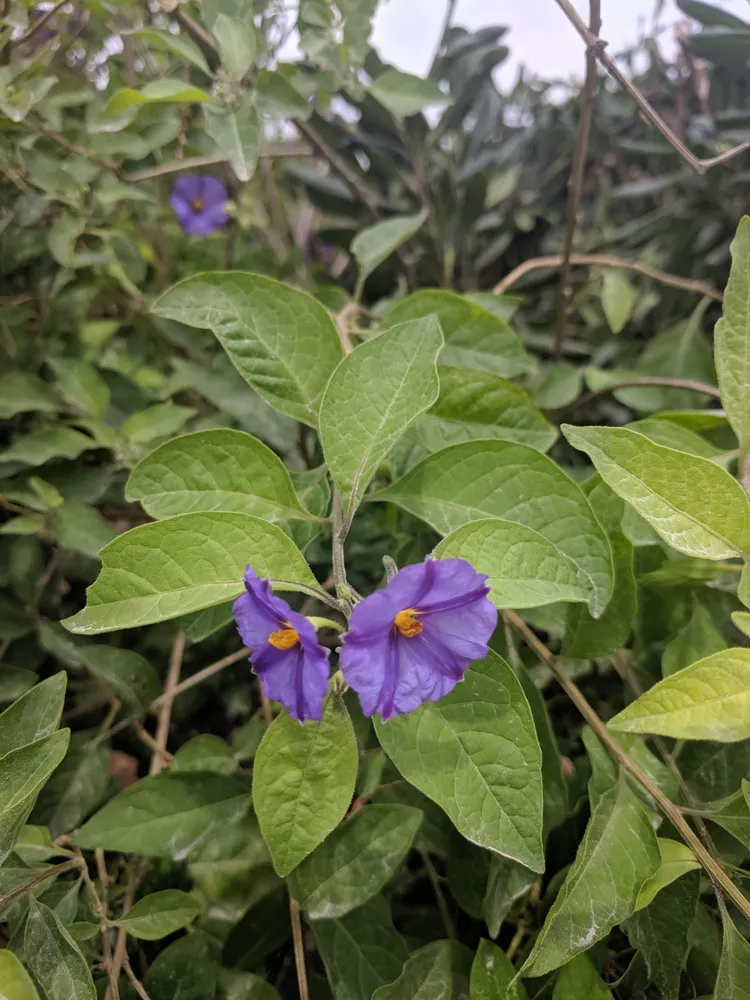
(407,623)
(285,638)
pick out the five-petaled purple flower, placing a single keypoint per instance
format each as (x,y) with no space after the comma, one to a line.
(413,641)
(199,201)
(286,654)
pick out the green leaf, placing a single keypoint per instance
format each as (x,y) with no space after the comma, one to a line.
(156,92)
(303,782)
(403,94)
(282,341)
(63,236)
(169,568)
(167,815)
(695,506)
(78,787)
(618,299)
(709,700)
(742,620)
(15,982)
(205,752)
(54,958)
(261,931)
(732,339)
(235,985)
(616,856)
(425,976)
(128,675)
(506,884)
(354,863)
(709,15)
(361,950)
(733,980)
(375,244)
(180,45)
(675,436)
(41,446)
(22,392)
(159,914)
(22,774)
(82,385)
(186,970)
(82,527)
(676,860)
(237,131)
(579,980)
(33,716)
(214,470)
(475,337)
(156,422)
(475,753)
(733,814)
(517,484)
(373,396)
(238,44)
(714,770)
(589,637)
(524,569)
(700,638)
(277,98)
(660,932)
(492,973)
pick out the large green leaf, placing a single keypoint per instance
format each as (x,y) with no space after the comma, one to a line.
(282,341)
(475,752)
(22,774)
(169,568)
(516,483)
(475,337)
(616,856)
(303,782)
(127,674)
(361,950)
(733,980)
(524,570)
(179,45)
(54,958)
(82,385)
(35,715)
(618,299)
(696,507)
(186,970)
(373,396)
(218,469)
(676,860)
(732,338)
(39,447)
(22,392)
(404,94)
(714,770)
(78,786)
(157,92)
(238,44)
(492,973)
(159,914)
(700,638)
(375,244)
(355,861)
(15,982)
(425,976)
(167,815)
(709,700)
(579,980)
(238,133)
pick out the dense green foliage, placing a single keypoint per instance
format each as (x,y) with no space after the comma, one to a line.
(330,385)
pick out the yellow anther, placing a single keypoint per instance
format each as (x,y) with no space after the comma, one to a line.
(407,623)
(285,638)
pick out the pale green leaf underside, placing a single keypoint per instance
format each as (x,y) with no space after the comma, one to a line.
(169,568)
(732,338)
(282,341)
(54,958)
(215,470)
(709,700)
(676,860)
(514,482)
(695,506)
(475,752)
(524,570)
(373,396)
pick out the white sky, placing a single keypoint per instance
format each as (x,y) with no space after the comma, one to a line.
(406,31)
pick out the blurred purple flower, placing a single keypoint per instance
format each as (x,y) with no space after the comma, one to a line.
(413,641)
(286,654)
(199,201)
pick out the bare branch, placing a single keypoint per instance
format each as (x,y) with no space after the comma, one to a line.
(339,166)
(662,381)
(196,162)
(166,701)
(202,675)
(299,949)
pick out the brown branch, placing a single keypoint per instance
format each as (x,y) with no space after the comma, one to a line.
(202,675)
(202,38)
(670,810)
(593,42)
(122,935)
(101,906)
(134,980)
(166,701)
(662,381)
(577,174)
(299,949)
(606,260)
(338,166)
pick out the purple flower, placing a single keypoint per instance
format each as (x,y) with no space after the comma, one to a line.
(413,641)
(199,201)
(286,654)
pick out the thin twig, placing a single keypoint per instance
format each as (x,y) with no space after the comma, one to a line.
(101,905)
(36,878)
(197,32)
(299,949)
(670,810)
(122,935)
(134,980)
(202,675)
(338,534)
(606,260)
(434,878)
(342,326)
(593,42)
(577,174)
(167,699)
(145,737)
(663,381)
(196,162)
(339,166)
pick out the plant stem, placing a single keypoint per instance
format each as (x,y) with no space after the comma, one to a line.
(670,810)
(37,877)
(202,675)
(434,878)
(665,381)
(167,699)
(299,949)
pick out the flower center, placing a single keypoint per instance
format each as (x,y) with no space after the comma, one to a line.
(285,638)
(197,204)
(407,624)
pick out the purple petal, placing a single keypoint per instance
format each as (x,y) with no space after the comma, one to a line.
(208,220)
(213,191)
(406,590)
(188,186)
(297,677)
